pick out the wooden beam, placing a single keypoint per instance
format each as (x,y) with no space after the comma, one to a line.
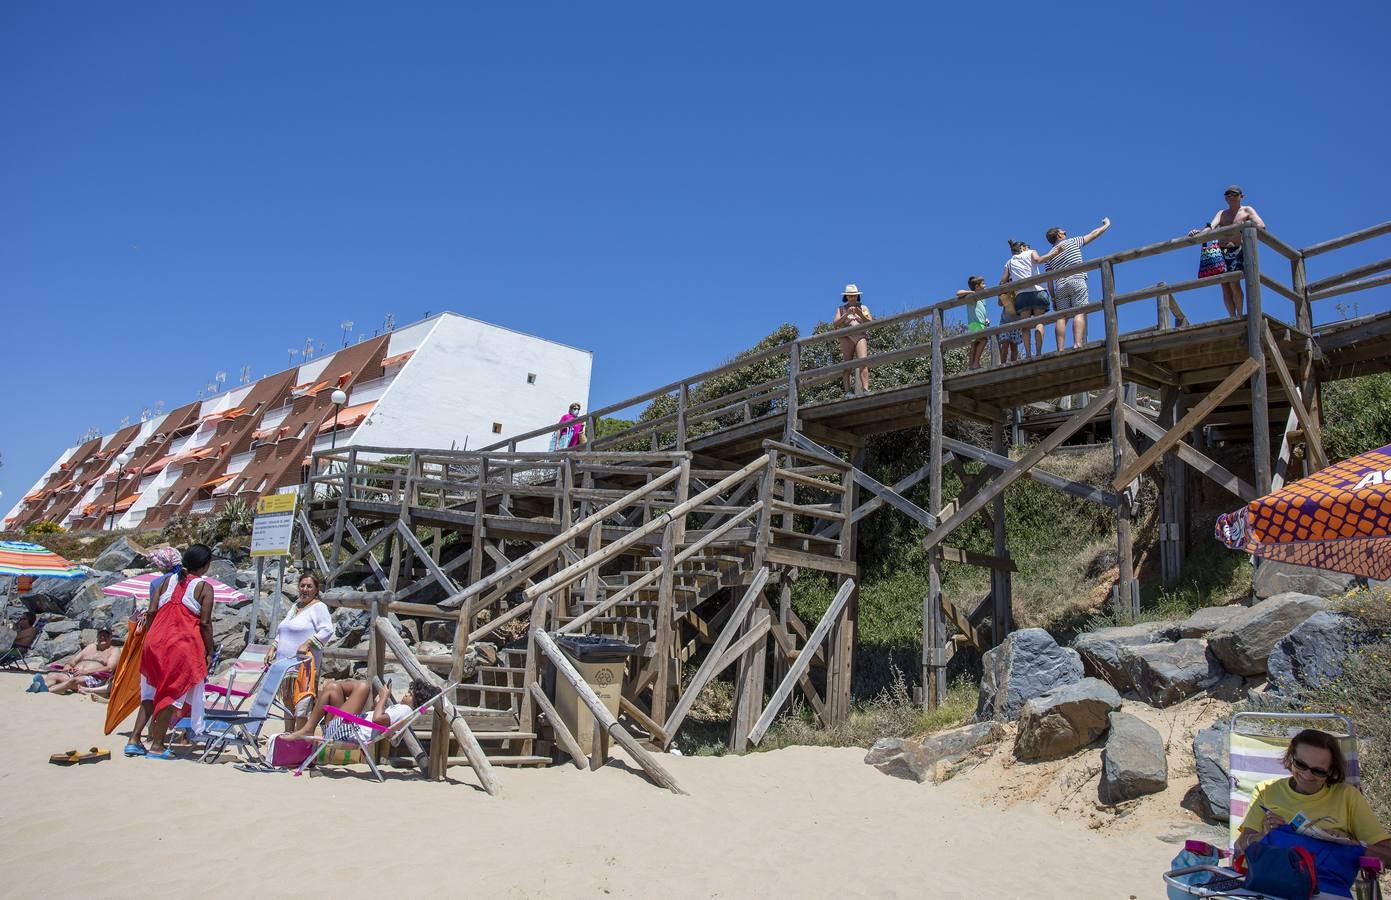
(899,487)
(602,717)
(563,737)
(972,558)
(799,665)
(1066,485)
(978,409)
(1190,421)
(840,437)
(1312,432)
(1186,452)
(1020,468)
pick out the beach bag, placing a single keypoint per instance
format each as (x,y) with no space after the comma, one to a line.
(1335,863)
(1007,303)
(285,752)
(1210,261)
(1281,871)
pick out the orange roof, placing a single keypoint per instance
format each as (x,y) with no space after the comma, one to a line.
(348,417)
(398,358)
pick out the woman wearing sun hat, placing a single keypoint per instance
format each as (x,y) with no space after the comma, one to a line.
(852,312)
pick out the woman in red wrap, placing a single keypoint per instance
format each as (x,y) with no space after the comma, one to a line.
(179,643)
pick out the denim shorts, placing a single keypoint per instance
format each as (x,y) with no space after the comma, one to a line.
(1037,301)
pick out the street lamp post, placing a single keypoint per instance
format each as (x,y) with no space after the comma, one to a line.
(339,398)
(121,459)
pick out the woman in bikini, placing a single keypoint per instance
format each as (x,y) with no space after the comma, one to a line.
(852,312)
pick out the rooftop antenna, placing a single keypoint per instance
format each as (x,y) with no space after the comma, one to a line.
(159,407)
(390,322)
(245,375)
(145,414)
(125,421)
(321,348)
(293,352)
(347,326)
(308,350)
(221,378)
(212,387)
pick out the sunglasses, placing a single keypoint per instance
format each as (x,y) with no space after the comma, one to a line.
(1231,194)
(1302,766)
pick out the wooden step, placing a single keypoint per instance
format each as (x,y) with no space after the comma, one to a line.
(503,735)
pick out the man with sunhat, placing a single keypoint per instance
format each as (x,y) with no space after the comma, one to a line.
(1236,213)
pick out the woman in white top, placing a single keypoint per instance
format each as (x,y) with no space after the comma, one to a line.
(1030,302)
(853,346)
(302,634)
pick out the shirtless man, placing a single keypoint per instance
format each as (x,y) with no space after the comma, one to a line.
(1235,214)
(80,671)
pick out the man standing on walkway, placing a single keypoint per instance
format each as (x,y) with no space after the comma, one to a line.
(1070,291)
(1237,212)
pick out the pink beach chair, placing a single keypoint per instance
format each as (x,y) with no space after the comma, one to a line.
(344,729)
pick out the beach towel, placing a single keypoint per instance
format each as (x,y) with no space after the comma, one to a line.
(1211,260)
(306,684)
(173,659)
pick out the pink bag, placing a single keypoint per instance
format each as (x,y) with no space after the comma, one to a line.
(288,753)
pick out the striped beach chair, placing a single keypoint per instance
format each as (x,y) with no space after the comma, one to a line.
(1256,751)
(232,687)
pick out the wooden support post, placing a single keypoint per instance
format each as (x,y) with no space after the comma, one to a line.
(1128,595)
(804,658)
(934,674)
(1001,582)
(794,370)
(563,737)
(748,681)
(603,719)
(666,624)
(443,707)
(1255,324)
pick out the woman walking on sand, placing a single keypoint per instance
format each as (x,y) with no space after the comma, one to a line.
(179,645)
(850,313)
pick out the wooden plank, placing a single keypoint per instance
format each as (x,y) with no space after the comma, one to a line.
(709,668)
(973,558)
(602,717)
(1346,240)
(976,409)
(899,487)
(1255,323)
(1193,457)
(308,531)
(562,734)
(802,560)
(1018,469)
(832,435)
(1066,485)
(424,556)
(754,636)
(1312,432)
(1190,421)
(799,665)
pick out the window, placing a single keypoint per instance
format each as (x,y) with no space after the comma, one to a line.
(497,428)
(530,377)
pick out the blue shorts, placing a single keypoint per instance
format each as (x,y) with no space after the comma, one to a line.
(1035,301)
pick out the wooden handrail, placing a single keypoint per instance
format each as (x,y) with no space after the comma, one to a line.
(1352,238)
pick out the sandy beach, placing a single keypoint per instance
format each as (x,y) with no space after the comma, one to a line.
(802,821)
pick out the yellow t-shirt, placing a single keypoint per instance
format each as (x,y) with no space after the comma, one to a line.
(1337,808)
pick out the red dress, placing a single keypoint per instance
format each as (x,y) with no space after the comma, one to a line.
(174,658)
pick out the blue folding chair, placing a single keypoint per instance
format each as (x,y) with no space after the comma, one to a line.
(241,728)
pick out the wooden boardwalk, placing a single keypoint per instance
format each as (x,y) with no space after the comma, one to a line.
(683,533)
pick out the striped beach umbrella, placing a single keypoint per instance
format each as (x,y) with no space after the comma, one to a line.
(138,586)
(21,558)
(1338,518)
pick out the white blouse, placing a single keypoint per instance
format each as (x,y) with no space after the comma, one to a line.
(299,625)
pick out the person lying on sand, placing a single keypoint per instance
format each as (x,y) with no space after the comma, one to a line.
(351,697)
(91,667)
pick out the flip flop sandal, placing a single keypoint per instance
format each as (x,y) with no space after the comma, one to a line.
(94,755)
(165,754)
(135,750)
(66,758)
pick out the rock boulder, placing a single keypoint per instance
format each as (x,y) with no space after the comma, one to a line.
(1101,649)
(1313,653)
(1065,719)
(1164,674)
(1133,762)
(123,554)
(224,571)
(55,627)
(917,758)
(1243,644)
(59,646)
(1212,760)
(1274,578)
(51,595)
(1207,620)
(1027,664)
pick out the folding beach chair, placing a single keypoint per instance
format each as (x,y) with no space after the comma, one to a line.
(239,682)
(343,729)
(1257,745)
(17,656)
(227,728)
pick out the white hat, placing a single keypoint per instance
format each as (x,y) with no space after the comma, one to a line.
(850,291)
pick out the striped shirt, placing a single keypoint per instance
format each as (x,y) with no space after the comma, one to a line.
(1070,255)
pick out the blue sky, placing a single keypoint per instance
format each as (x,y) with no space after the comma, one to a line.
(187,188)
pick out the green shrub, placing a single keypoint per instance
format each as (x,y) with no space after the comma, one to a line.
(37,528)
(1357,415)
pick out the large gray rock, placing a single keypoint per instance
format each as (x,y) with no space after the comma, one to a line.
(1133,763)
(1243,645)
(1205,621)
(229,635)
(55,627)
(1065,719)
(1101,649)
(7,636)
(1313,653)
(1275,578)
(121,555)
(439,630)
(59,646)
(350,626)
(52,595)
(223,571)
(1211,757)
(917,758)
(1027,664)
(1164,674)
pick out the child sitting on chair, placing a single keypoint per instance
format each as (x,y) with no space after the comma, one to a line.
(351,696)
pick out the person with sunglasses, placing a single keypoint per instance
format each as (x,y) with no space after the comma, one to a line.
(1317,788)
(852,312)
(1236,213)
